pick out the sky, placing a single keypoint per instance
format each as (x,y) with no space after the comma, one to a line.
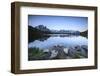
(59,22)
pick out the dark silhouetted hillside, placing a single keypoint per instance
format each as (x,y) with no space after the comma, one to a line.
(34,33)
(85,33)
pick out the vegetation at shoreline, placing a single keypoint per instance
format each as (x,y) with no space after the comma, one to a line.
(35,53)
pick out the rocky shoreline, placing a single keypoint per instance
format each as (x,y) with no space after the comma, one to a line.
(60,52)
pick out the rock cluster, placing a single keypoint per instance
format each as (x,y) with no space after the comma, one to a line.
(59,52)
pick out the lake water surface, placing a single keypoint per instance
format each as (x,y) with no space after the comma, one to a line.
(58,39)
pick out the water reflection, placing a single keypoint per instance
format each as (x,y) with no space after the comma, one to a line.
(58,46)
(59,39)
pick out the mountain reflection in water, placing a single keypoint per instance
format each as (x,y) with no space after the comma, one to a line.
(58,46)
(59,39)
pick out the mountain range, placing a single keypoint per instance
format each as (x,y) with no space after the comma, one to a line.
(41,31)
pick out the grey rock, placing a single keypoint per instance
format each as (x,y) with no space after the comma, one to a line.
(78,52)
(71,52)
(85,50)
(77,48)
(85,47)
(53,54)
(57,52)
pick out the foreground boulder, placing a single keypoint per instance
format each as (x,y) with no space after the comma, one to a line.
(78,52)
